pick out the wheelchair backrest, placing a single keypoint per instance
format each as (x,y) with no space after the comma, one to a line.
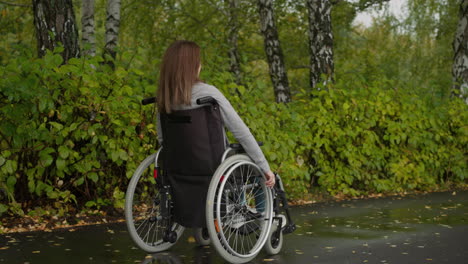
(193,140)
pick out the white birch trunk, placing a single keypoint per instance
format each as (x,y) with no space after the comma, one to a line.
(55,23)
(112,26)
(460,48)
(233,29)
(273,51)
(320,42)
(88,38)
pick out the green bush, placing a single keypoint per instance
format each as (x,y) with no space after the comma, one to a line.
(357,141)
(72,135)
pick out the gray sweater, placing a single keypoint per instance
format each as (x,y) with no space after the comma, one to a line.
(231,120)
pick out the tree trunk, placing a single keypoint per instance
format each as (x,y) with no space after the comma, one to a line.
(273,51)
(320,42)
(460,48)
(112,26)
(233,29)
(55,23)
(88,40)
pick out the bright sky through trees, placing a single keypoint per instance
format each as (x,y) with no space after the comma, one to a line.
(397,7)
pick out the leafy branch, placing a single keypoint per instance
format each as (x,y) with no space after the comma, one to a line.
(14,4)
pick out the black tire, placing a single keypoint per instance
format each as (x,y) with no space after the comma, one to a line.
(201,236)
(274,244)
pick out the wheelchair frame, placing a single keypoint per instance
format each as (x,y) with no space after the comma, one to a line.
(237,230)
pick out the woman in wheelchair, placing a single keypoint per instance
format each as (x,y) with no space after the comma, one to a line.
(225,191)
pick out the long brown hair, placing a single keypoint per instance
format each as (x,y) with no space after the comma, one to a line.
(178,73)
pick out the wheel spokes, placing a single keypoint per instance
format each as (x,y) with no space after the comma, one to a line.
(241,215)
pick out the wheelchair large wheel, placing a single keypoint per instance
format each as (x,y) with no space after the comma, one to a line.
(143,210)
(239,209)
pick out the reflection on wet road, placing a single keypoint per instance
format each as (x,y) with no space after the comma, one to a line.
(428,228)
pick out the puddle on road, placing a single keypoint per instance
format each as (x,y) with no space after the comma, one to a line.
(369,219)
(322,230)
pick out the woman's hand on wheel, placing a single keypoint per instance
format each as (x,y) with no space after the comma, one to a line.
(270,179)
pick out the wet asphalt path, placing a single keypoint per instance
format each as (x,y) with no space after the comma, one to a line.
(431,228)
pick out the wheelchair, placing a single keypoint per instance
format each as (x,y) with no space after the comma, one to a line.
(242,214)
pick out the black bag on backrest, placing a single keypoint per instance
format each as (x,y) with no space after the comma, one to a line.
(193,144)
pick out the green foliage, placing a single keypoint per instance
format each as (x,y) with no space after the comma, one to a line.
(414,53)
(73,134)
(16,29)
(356,141)
(70,133)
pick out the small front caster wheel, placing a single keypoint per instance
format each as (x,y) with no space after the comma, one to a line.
(170,236)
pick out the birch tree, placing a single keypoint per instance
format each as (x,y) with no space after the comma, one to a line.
(88,39)
(320,42)
(233,29)
(112,26)
(273,51)
(460,48)
(54,22)
(320,37)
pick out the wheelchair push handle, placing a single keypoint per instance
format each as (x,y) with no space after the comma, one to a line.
(206,100)
(147,101)
(200,101)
